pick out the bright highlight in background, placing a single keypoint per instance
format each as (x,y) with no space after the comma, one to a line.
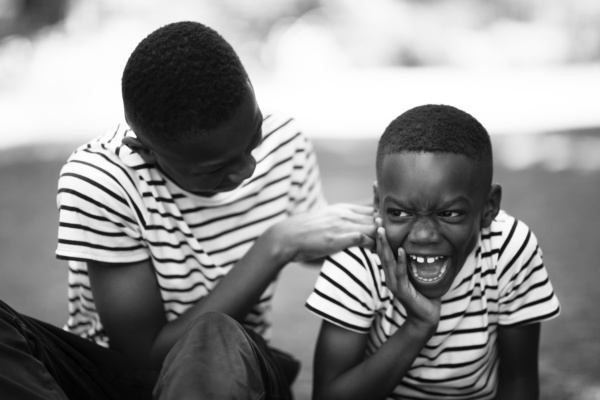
(344,69)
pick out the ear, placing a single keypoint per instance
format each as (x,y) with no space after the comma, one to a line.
(140,148)
(376,197)
(491,206)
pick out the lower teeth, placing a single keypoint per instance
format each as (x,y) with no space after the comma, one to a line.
(436,278)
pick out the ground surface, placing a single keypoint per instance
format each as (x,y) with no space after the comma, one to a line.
(559,205)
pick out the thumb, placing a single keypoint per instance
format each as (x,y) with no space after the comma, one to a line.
(351,239)
(367,242)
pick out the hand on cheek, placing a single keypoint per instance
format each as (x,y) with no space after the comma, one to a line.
(423,312)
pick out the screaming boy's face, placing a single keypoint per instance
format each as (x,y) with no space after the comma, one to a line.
(431,205)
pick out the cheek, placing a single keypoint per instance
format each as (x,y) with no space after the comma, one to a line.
(395,235)
(465,238)
(471,243)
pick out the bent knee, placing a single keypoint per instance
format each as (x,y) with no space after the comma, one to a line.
(215,322)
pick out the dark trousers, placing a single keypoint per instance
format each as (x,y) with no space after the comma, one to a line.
(215,359)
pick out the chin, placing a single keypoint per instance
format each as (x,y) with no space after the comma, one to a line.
(214,191)
(227,187)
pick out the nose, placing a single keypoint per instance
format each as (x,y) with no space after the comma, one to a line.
(243,169)
(424,231)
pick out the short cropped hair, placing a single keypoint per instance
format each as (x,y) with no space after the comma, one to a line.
(436,129)
(183,79)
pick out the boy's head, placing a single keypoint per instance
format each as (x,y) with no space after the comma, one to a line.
(434,191)
(180,81)
(190,103)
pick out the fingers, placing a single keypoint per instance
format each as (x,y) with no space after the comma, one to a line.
(401,263)
(329,230)
(367,201)
(360,219)
(383,247)
(394,267)
(352,239)
(386,256)
(357,208)
(367,242)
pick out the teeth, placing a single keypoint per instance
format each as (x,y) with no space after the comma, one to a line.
(429,260)
(421,260)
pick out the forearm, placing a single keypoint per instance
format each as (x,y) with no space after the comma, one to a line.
(239,290)
(518,385)
(303,237)
(518,371)
(523,391)
(234,295)
(377,376)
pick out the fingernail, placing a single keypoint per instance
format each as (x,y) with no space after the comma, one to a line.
(380,231)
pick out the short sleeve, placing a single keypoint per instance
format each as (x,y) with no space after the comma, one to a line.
(344,291)
(526,293)
(98,219)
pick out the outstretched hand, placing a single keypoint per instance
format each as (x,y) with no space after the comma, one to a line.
(316,234)
(422,311)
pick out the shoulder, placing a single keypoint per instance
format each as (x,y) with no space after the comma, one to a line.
(511,237)
(285,149)
(355,258)
(106,149)
(104,156)
(102,171)
(281,132)
(108,141)
(518,257)
(355,264)
(524,288)
(347,292)
(279,124)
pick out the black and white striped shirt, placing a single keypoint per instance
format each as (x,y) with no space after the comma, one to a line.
(503,282)
(114,208)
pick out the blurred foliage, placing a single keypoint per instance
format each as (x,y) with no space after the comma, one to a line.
(359,33)
(27,17)
(423,32)
(463,32)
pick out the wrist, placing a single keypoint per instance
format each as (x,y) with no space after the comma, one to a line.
(420,328)
(278,243)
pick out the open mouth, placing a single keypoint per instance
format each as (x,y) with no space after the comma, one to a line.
(428,269)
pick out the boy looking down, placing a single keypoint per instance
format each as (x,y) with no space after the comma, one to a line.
(451,303)
(175,226)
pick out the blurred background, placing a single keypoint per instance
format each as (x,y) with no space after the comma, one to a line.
(529,70)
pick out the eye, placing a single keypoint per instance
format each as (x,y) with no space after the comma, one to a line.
(453,215)
(398,214)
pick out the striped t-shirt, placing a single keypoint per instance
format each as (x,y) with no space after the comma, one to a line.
(115,208)
(503,283)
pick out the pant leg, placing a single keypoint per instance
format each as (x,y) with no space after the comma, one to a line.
(289,364)
(22,375)
(218,359)
(39,360)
